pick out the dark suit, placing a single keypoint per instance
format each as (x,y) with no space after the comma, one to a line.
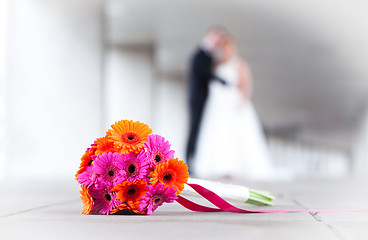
(200,75)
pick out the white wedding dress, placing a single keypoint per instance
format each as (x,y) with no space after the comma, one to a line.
(231,142)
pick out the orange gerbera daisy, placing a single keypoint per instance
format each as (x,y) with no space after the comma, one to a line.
(87,200)
(130,191)
(86,160)
(129,136)
(128,208)
(171,173)
(104,145)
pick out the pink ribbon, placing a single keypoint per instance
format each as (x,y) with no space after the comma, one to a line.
(227,207)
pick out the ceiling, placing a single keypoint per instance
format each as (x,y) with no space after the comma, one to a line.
(309,58)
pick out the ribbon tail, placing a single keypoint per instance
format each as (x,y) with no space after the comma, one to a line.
(194,206)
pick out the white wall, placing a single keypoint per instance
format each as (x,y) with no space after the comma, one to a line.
(135,91)
(171,112)
(128,86)
(3,18)
(53,85)
(360,147)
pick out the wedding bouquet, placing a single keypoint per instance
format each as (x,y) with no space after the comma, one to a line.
(133,171)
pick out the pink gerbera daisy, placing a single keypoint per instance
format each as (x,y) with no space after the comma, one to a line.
(133,167)
(105,200)
(156,196)
(157,150)
(107,168)
(87,178)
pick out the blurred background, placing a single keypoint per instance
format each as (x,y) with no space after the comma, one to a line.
(70,69)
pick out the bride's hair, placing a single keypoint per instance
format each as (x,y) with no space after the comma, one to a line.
(218,28)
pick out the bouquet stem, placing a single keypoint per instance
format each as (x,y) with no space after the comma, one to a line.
(230,192)
(259,197)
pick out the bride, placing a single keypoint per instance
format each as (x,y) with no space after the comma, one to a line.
(231,143)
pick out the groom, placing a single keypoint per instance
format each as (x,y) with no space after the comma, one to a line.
(201,73)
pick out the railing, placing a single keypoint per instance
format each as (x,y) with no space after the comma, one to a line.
(301,160)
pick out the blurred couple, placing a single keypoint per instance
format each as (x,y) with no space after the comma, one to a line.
(226,139)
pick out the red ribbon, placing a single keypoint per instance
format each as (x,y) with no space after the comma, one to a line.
(224,206)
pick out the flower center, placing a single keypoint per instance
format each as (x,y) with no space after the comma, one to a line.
(130,137)
(157,200)
(131,191)
(111,173)
(131,168)
(157,158)
(167,177)
(108,197)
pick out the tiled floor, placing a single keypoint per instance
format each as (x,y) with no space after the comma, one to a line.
(50,210)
